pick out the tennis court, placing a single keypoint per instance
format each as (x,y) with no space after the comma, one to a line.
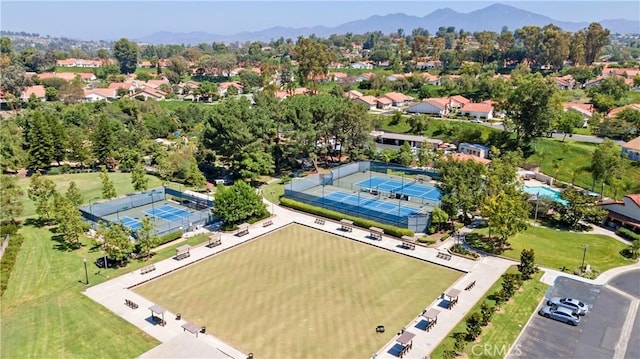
(168,213)
(368,204)
(131,223)
(404,188)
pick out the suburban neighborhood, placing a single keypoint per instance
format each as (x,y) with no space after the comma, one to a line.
(419,192)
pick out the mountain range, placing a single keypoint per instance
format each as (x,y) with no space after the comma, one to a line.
(490,18)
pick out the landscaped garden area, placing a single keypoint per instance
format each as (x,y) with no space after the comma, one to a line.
(505,324)
(558,249)
(302,292)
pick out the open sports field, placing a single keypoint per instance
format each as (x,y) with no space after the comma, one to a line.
(302,293)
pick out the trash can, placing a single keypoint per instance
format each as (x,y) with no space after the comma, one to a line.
(203,329)
(178,316)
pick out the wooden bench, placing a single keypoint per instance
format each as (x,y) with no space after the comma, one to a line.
(214,243)
(470,285)
(320,221)
(408,245)
(443,255)
(267,223)
(147,269)
(130,304)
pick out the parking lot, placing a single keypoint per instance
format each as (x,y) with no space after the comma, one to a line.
(599,331)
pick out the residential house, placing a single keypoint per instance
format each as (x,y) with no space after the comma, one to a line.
(631,149)
(353,94)
(457,101)
(384,103)
(625,213)
(335,65)
(156,83)
(150,93)
(614,112)
(482,110)
(224,86)
(565,82)
(338,76)
(73,62)
(364,77)
(396,77)
(593,83)
(361,65)
(369,102)
(474,149)
(585,109)
(623,72)
(99,94)
(397,99)
(129,87)
(430,79)
(295,92)
(38,91)
(432,106)
(425,65)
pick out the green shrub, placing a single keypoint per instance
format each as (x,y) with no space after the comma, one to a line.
(169,237)
(629,234)
(361,222)
(425,240)
(8,259)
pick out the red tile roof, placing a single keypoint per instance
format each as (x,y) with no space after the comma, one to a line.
(384,100)
(459,99)
(397,97)
(368,99)
(439,102)
(614,112)
(635,198)
(633,144)
(477,107)
(37,90)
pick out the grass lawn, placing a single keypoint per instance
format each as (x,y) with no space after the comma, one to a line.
(75,69)
(437,128)
(556,249)
(560,159)
(274,295)
(505,325)
(45,315)
(88,183)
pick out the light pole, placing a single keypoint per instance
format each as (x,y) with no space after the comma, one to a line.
(86,273)
(91,210)
(584,253)
(272,194)
(118,212)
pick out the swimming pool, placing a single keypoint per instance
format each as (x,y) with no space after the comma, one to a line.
(545,192)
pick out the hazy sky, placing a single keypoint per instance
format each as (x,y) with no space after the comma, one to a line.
(107,20)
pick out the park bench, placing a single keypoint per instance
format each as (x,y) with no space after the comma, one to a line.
(443,255)
(130,304)
(267,223)
(320,221)
(470,285)
(408,245)
(147,269)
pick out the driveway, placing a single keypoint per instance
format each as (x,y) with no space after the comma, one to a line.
(599,333)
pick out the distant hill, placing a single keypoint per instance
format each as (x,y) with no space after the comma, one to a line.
(490,18)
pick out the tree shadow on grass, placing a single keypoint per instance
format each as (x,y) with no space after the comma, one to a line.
(63,245)
(36,222)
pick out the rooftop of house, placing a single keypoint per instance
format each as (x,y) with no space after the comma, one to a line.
(633,144)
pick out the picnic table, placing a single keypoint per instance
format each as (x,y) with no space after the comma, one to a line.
(408,242)
(376,233)
(346,225)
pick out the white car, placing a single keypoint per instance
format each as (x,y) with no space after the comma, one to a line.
(569,303)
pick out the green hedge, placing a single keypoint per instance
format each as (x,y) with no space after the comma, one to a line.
(629,234)
(10,254)
(169,237)
(360,222)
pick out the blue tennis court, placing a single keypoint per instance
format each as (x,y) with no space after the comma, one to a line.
(373,205)
(168,213)
(130,223)
(406,188)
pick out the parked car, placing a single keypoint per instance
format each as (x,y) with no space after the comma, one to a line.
(111,263)
(561,314)
(476,121)
(570,303)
